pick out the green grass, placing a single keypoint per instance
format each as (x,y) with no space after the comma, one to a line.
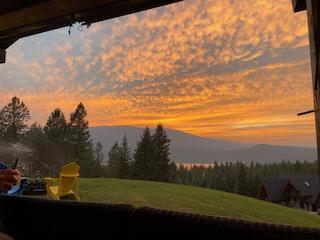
(192,199)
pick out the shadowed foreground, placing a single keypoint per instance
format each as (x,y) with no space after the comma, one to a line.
(192,199)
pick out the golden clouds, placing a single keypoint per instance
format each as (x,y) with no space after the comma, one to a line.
(230,69)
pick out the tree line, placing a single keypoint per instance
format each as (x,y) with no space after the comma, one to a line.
(149,161)
(59,141)
(240,178)
(63,140)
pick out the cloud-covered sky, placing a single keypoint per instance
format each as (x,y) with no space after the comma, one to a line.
(218,68)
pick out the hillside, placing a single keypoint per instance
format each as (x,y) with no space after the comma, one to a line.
(191,199)
(188,148)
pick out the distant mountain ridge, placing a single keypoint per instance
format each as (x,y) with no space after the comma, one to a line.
(188,148)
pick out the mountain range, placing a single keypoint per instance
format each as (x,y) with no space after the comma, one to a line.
(188,148)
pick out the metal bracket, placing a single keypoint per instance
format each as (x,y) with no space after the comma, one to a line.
(305,113)
(311,111)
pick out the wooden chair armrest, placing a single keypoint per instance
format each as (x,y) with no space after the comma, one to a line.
(48,182)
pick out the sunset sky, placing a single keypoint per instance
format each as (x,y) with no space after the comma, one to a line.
(229,69)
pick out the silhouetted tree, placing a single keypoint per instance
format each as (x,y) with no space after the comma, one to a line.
(79,141)
(56,131)
(36,139)
(160,160)
(113,164)
(13,119)
(143,157)
(125,159)
(99,157)
(56,127)
(99,153)
(242,180)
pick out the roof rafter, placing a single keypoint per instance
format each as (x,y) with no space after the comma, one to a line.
(60,13)
(37,16)
(14,5)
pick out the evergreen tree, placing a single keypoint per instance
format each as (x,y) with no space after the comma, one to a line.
(143,157)
(99,154)
(160,160)
(56,127)
(173,172)
(239,178)
(250,185)
(242,180)
(35,139)
(79,141)
(13,118)
(58,152)
(257,185)
(114,159)
(125,159)
(99,157)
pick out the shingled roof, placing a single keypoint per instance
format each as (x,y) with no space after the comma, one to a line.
(307,185)
(274,188)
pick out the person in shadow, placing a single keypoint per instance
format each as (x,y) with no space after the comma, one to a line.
(8,179)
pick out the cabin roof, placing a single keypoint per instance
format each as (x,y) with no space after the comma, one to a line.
(307,185)
(274,188)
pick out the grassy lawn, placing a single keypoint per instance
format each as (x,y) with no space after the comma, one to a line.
(191,199)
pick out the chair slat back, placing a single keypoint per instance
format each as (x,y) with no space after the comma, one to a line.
(69,178)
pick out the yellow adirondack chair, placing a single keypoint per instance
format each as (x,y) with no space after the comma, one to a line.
(69,183)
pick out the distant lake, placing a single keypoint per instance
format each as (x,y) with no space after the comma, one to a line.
(190,165)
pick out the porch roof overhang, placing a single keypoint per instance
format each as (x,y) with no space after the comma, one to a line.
(22,18)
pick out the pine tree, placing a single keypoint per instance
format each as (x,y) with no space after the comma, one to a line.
(161,160)
(99,154)
(13,118)
(173,172)
(143,157)
(242,180)
(79,141)
(58,151)
(113,163)
(257,184)
(56,127)
(125,159)
(99,159)
(36,139)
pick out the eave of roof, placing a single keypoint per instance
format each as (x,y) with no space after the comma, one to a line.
(14,5)
(50,15)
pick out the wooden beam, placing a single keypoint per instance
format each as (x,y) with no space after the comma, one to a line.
(2,55)
(60,13)
(3,47)
(313,12)
(14,5)
(299,5)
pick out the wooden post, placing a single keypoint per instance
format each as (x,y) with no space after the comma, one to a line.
(3,47)
(2,55)
(313,12)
